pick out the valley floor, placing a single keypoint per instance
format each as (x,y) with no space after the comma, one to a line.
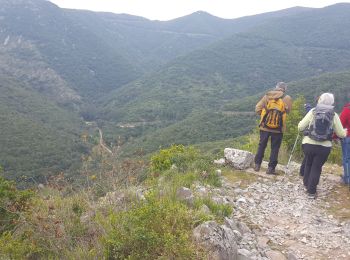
(284,223)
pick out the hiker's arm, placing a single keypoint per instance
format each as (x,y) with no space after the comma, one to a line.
(289,103)
(338,127)
(305,122)
(261,104)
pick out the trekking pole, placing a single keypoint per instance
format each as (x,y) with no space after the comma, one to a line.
(291,154)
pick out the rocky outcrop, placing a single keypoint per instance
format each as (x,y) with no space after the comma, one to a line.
(220,241)
(238,159)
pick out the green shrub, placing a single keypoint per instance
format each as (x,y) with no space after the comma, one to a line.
(16,248)
(178,155)
(158,228)
(12,203)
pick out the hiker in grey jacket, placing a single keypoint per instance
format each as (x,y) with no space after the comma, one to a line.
(317,148)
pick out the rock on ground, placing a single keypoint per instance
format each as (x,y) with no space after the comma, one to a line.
(238,159)
(185,194)
(219,240)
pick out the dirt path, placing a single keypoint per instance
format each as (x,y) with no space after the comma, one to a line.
(281,216)
(102,143)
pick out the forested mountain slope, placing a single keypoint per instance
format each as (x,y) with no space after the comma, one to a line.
(37,137)
(239,66)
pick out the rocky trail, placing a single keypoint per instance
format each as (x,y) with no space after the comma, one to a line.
(281,222)
(285,221)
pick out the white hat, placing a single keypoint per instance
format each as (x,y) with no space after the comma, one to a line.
(326,99)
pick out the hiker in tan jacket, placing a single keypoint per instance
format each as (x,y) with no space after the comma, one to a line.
(273,109)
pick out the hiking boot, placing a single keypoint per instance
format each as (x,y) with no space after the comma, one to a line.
(312,196)
(257,167)
(271,171)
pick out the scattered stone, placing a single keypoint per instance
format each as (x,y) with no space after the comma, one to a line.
(242,200)
(231,223)
(185,194)
(292,256)
(218,172)
(41,186)
(219,240)
(244,254)
(220,199)
(275,255)
(204,209)
(262,242)
(202,192)
(238,159)
(220,162)
(243,228)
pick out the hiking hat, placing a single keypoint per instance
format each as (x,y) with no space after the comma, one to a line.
(281,85)
(326,99)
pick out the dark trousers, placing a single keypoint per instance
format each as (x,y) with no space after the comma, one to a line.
(276,141)
(316,156)
(302,167)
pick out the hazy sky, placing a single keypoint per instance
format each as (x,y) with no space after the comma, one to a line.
(168,9)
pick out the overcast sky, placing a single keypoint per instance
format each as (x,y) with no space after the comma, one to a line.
(169,9)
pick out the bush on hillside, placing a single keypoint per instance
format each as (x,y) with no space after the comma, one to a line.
(159,228)
(177,155)
(12,203)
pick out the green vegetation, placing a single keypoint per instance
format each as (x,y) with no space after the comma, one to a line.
(293,119)
(59,222)
(12,203)
(158,228)
(37,137)
(218,210)
(175,155)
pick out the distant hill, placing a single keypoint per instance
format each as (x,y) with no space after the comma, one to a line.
(95,53)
